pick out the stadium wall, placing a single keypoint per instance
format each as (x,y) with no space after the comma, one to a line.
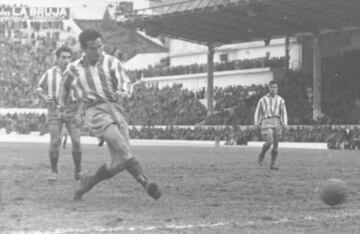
(15,138)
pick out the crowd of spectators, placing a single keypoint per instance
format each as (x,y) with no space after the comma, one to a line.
(22,123)
(235,105)
(174,106)
(305,133)
(167,106)
(340,88)
(8,27)
(164,69)
(337,137)
(23,61)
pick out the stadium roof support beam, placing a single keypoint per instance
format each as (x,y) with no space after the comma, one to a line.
(210,80)
(287,53)
(317,112)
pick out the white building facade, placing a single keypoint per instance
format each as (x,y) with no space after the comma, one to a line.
(182,53)
(186,53)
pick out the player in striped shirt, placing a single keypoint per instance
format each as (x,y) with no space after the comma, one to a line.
(100,82)
(271,115)
(49,89)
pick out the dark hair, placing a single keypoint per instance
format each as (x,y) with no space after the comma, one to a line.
(273,82)
(88,35)
(62,49)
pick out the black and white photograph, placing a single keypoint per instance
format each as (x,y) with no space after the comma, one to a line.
(180,116)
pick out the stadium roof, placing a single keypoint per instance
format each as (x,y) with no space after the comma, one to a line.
(142,61)
(230,21)
(126,40)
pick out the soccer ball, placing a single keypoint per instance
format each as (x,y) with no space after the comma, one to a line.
(334,192)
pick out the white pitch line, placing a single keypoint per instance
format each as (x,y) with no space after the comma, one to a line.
(283,220)
(316,217)
(123,228)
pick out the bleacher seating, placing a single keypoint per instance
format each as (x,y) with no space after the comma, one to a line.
(164,69)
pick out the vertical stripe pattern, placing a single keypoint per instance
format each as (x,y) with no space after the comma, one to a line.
(268,107)
(100,82)
(51,82)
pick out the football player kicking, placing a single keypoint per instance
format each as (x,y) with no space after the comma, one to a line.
(101,83)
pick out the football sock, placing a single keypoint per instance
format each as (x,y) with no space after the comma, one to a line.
(77,160)
(134,168)
(54,158)
(274,153)
(101,174)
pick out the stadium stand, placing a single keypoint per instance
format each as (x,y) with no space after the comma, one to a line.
(22,63)
(163,69)
(174,106)
(25,54)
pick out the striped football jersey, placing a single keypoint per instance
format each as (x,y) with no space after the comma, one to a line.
(99,82)
(50,83)
(269,107)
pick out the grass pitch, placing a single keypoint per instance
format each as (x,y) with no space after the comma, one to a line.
(205,190)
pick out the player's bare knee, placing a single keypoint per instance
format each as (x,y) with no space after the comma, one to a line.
(109,140)
(120,147)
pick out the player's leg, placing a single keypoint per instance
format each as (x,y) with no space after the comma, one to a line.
(55,141)
(275,149)
(267,135)
(120,159)
(107,170)
(98,120)
(75,132)
(274,154)
(124,160)
(101,121)
(134,168)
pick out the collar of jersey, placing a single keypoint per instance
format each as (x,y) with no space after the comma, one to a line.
(58,70)
(84,61)
(269,95)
